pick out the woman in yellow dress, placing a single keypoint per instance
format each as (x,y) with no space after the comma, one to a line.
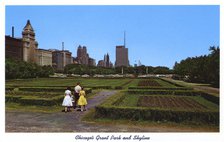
(82,100)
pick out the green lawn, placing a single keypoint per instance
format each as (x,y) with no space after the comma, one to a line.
(66,82)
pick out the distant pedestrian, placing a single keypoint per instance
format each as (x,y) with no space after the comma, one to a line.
(82,100)
(77,89)
(67,102)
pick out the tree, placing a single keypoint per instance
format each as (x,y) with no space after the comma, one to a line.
(204,69)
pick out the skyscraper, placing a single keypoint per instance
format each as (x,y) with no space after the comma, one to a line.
(122,55)
(107,60)
(83,57)
(61,58)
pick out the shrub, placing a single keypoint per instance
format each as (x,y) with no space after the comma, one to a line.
(41,101)
(140,113)
(176,84)
(207,96)
(15,99)
(118,87)
(49,89)
(161,88)
(100,87)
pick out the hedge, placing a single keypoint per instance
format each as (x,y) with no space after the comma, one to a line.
(34,100)
(39,94)
(171,82)
(9,88)
(140,113)
(100,87)
(160,88)
(206,96)
(15,99)
(109,109)
(42,102)
(118,87)
(49,89)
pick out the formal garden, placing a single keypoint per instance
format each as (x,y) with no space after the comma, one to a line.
(151,99)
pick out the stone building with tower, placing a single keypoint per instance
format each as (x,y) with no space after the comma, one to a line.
(30,45)
(26,48)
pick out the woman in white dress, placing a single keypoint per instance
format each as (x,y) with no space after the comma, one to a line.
(67,102)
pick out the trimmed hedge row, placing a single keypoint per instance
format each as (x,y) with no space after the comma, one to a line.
(15,99)
(9,88)
(176,84)
(160,88)
(113,112)
(118,87)
(48,89)
(39,94)
(206,96)
(34,100)
(100,87)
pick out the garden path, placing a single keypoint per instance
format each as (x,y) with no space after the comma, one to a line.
(71,122)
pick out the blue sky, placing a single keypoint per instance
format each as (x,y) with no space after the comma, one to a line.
(155,35)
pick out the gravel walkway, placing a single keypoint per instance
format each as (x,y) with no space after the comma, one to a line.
(71,121)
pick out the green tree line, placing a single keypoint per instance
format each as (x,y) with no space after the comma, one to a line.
(91,70)
(202,69)
(15,69)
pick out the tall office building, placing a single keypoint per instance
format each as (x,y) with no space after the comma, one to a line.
(105,62)
(122,55)
(83,57)
(61,58)
(44,57)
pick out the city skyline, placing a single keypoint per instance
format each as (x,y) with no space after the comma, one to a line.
(155,35)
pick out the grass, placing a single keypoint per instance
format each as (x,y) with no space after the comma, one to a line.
(11,106)
(165,84)
(132,100)
(89,117)
(17,107)
(206,87)
(129,101)
(66,82)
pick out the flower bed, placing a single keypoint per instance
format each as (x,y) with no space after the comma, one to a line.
(148,82)
(191,109)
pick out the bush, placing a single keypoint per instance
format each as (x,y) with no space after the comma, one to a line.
(15,99)
(49,89)
(118,87)
(114,112)
(110,109)
(100,87)
(176,84)
(42,101)
(20,69)
(161,88)
(207,96)
(39,94)
(35,100)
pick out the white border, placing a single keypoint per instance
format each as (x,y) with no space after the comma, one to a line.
(70,137)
